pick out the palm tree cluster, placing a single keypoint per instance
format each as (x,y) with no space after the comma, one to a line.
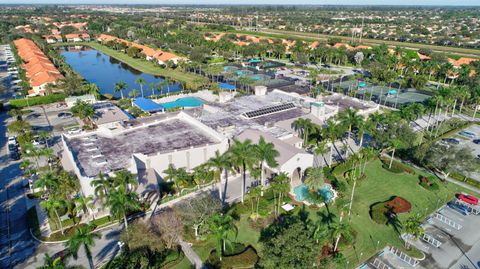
(117,193)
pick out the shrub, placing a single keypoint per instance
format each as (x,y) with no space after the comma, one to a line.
(248,258)
(378,213)
(234,249)
(428,183)
(37,100)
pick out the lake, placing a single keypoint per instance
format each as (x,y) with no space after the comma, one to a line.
(105,71)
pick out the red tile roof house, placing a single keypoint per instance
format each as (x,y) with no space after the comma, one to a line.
(38,68)
(160,56)
(77,37)
(51,39)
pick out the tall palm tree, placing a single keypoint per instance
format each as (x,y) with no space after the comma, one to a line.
(120,202)
(302,126)
(124,178)
(84,204)
(83,236)
(102,186)
(243,159)
(52,205)
(340,230)
(315,178)
(120,87)
(223,227)
(331,132)
(140,81)
(133,93)
(266,154)
(47,181)
(350,119)
(153,87)
(221,163)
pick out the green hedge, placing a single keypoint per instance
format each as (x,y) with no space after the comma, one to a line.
(467,180)
(37,100)
(247,259)
(378,213)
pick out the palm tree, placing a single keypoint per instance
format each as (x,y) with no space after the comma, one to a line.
(220,162)
(413,227)
(83,236)
(266,154)
(121,201)
(125,179)
(280,186)
(331,132)
(315,178)
(350,118)
(133,93)
(84,111)
(222,226)
(340,230)
(153,87)
(243,159)
(52,205)
(395,144)
(102,186)
(45,135)
(120,87)
(83,203)
(140,81)
(302,126)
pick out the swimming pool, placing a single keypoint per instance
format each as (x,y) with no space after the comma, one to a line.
(183,102)
(301,192)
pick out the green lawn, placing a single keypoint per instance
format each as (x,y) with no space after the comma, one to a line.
(380,185)
(140,64)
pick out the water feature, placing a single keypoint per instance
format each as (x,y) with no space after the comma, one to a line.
(301,193)
(105,71)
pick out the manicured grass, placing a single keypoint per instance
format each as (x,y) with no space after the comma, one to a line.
(380,185)
(140,64)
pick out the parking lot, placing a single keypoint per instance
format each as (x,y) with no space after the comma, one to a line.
(467,142)
(451,241)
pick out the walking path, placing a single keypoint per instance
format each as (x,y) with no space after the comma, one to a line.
(191,255)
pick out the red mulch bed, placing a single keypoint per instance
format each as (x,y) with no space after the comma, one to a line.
(399,205)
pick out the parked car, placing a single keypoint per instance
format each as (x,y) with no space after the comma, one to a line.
(476,141)
(61,254)
(64,115)
(14,155)
(12,147)
(12,140)
(470,199)
(467,134)
(452,141)
(462,209)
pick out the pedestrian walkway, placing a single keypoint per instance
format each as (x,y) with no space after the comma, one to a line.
(191,255)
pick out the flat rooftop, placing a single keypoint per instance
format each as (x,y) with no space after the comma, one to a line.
(229,114)
(344,102)
(97,153)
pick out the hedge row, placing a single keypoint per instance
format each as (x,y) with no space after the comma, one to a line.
(469,181)
(247,258)
(37,100)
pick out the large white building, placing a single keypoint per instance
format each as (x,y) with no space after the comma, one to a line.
(144,148)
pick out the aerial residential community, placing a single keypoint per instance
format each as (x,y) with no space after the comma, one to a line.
(239,136)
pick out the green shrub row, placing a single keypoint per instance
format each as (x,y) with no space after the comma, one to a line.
(378,213)
(37,100)
(467,180)
(248,258)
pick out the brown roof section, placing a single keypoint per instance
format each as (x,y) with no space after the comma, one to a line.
(461,61)
(150,52)
(38,67)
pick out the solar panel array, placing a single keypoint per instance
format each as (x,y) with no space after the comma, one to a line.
(268,110)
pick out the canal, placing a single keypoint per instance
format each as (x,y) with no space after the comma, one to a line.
(105,71)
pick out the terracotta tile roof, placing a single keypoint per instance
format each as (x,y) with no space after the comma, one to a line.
(461,61)
(147,51)
(39,69)
(423,57)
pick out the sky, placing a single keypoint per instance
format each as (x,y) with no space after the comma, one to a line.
(257,2)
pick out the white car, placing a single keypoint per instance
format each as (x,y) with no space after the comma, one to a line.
(12,140)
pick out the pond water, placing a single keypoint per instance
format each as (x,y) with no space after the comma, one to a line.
(105,71)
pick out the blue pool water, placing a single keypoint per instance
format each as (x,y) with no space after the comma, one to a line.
(301,192)
(183,102)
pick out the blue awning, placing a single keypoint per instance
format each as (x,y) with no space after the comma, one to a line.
(147,105)
(227,86)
